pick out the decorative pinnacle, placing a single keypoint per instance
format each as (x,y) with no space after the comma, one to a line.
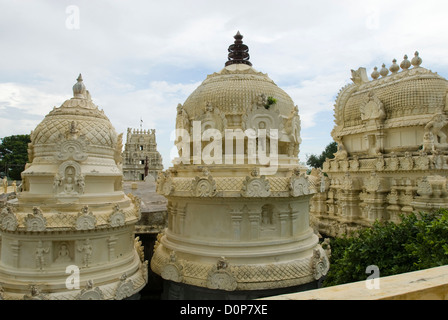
(79,89)
(238,52)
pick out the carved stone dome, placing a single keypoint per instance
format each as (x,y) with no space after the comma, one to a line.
(240,97)
(411,93)
(80,115)
(235,89)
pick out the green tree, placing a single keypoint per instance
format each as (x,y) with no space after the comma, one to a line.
(418,242)
(317,161)
(14,155)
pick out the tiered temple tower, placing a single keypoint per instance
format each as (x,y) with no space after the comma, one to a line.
(392,154)
(238,202)
(69,234)
(140,156)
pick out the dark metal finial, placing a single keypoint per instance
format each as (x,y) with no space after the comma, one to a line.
(238,52)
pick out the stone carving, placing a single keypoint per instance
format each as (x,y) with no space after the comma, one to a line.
(72,149)
(125,288)
(90,293)
(435,126)
(165,184)
(139,248)
(299,185)
(428,142)
(221,277)
(8,219)
(182,119)
(204,186)
(359,76)
(257,186)
(35,221)
(320,263)
(406,162)
(117,217)
(39,255)
(86,220)
(372,109)
(63,255)
(173,269)
(86,249)
(35,294)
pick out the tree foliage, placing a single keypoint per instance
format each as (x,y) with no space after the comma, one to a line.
(419,241)
(14,155)
(316,161)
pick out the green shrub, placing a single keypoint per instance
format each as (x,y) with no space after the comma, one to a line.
(419,241)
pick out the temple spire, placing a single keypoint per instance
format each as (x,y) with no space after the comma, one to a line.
(79,89)
(238,52)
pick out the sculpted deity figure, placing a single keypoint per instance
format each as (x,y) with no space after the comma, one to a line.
(39,255)
(87,249)
(435,126)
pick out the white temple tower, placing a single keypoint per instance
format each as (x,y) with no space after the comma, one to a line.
(238,201)
(69,234)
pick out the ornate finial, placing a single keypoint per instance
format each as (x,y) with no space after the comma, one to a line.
(79,89)
(416,61)
(405,64)
(238,52)
(394,67)
(375,74)
(384,71)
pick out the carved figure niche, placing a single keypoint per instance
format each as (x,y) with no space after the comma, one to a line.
(69,181)
(268,221)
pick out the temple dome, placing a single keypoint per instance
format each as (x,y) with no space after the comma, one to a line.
(236,88)
(80,114)
(412,94)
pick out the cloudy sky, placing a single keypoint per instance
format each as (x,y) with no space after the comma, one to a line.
(139,59)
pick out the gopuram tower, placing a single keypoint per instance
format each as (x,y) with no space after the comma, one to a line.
(238,201)
(69,234)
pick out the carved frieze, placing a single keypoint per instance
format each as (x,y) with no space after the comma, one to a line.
(299,185)
(8,219)
(86,220)
(257,186)
(173,270)
(221,277)
(35,221)
(90,293)
(125,288)
(204,186)
(117,217)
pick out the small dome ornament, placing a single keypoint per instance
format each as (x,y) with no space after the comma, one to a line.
(416,61)
(405,64)
(394,67)
(79,89)
(238,52)
(384,71)
(375,74)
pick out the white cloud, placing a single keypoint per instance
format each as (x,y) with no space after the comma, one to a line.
(139,59)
